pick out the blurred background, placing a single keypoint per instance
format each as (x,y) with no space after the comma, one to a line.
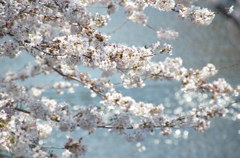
(218,43)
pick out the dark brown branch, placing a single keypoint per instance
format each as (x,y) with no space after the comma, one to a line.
(21,110)
(151,28)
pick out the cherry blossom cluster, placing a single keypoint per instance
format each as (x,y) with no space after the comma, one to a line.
(61,35)
(29,71)
(195,14)
(20,132)
(138,135)
(134,11)
(88,118)
(61,85)
(166,34)
(10,49)
(163,5)
(74,148)
(36,92)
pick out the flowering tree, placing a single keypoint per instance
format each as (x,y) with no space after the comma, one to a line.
(61,35)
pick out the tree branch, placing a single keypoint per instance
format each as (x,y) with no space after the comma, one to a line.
(76,79)
(228,66)
(117,28)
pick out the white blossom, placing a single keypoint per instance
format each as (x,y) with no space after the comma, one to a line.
(230,10)
(166,34)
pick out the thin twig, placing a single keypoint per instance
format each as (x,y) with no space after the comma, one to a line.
(228,66)
(232,103)
(130,154)
(117,28)
(51,53)
(151,28)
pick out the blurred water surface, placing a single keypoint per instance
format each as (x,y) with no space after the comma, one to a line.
(197,46)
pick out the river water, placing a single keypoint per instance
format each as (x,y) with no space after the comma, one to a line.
(197,46)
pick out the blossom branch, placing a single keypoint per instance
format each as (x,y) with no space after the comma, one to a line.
(78,80)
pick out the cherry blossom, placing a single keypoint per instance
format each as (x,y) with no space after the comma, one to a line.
(61,35)
(230,10)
